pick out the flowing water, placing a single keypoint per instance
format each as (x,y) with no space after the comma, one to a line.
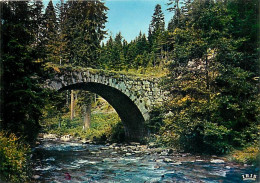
(76,162)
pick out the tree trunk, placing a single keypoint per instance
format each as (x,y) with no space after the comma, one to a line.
(87,116)
(72,112)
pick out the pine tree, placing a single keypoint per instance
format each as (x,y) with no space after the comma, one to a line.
(38,28)
(62,40)
(23,98)
(155,33)
(85,25)
(50,34)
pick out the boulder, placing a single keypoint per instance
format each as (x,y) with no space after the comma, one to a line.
(167,160)
(217,161)
(66,138)
(50,136)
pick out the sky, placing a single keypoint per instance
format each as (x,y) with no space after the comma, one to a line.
(130,16)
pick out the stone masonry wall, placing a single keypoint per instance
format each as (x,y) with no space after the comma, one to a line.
(144,92)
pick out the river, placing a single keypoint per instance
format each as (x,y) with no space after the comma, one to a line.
(57,161)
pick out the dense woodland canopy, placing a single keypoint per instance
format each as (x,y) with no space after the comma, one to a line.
(210,49)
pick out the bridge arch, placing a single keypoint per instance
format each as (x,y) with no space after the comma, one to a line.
(132,96)
(127,110)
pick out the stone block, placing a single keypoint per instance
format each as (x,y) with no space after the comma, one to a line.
(110,81)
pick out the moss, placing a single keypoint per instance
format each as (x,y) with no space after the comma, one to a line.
(149,74)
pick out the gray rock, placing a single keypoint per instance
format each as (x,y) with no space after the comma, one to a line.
(36,177)
(176,163)
(164,153)
(167,160)
(156,167)
(217,161)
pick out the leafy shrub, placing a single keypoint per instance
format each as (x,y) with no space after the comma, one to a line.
(250,155)
(14,159)
(156,119)
(117,133)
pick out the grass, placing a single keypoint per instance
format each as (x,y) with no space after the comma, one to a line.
(247,155)
(145,73)
(101,126)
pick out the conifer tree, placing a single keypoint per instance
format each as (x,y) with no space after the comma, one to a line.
(214,95)
(155,33)
(50,34)
(85,25)
(23,98)
(38,28)
(62,34)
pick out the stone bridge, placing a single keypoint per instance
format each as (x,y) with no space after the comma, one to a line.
(132,96)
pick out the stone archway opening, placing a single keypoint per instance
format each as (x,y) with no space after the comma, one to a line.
(127,110)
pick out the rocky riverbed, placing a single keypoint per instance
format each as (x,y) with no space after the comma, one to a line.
(63,161)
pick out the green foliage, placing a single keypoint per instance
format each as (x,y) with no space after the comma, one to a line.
(249,155)
(22,94)
(214,94)
(104,126)
(156,120)
(85,25)
(14,159)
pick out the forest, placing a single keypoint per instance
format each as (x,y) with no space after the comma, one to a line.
(207,56)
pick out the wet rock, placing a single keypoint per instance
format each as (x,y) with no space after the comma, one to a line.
(142,147)
(128,154)
(158,150)
(49,136)
(104,148)
(114,144)
(185,155)
(137,152)
(199,160)
(66,138)
(156,167)
(217,161)
(134,143)
(227,167)
(176,163)
(167,160)
(159,160)
(111,147)
(36,177)
(164,153)
(96,152)
(84,141)
(131,147)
